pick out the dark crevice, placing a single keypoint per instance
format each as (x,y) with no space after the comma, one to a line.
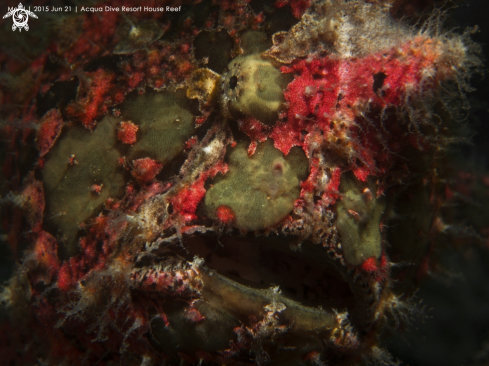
(58,96)
(378,81)
(233,81)
(216,47)
(308,276)
(107,63)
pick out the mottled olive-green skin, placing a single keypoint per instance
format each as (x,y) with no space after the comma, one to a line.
(358,220)
(261,189)
(165,122)
(69,200)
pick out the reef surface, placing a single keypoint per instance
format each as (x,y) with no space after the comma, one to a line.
(232,183)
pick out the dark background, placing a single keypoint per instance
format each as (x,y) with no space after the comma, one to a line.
(455,327)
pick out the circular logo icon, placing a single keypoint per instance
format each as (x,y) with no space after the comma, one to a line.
(20,16)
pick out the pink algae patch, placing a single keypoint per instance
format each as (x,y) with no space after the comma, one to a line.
(127,132)
(49,131)
(185,202)
(255,130)
(298,7)
(225,215)
(96,100)
(146,169)
(379,268)
(331,95)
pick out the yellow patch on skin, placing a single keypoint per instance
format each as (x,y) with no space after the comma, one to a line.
(253,87)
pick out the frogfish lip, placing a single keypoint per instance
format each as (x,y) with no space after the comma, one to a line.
(256,290)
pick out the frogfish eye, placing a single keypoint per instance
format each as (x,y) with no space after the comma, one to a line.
(233,81)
